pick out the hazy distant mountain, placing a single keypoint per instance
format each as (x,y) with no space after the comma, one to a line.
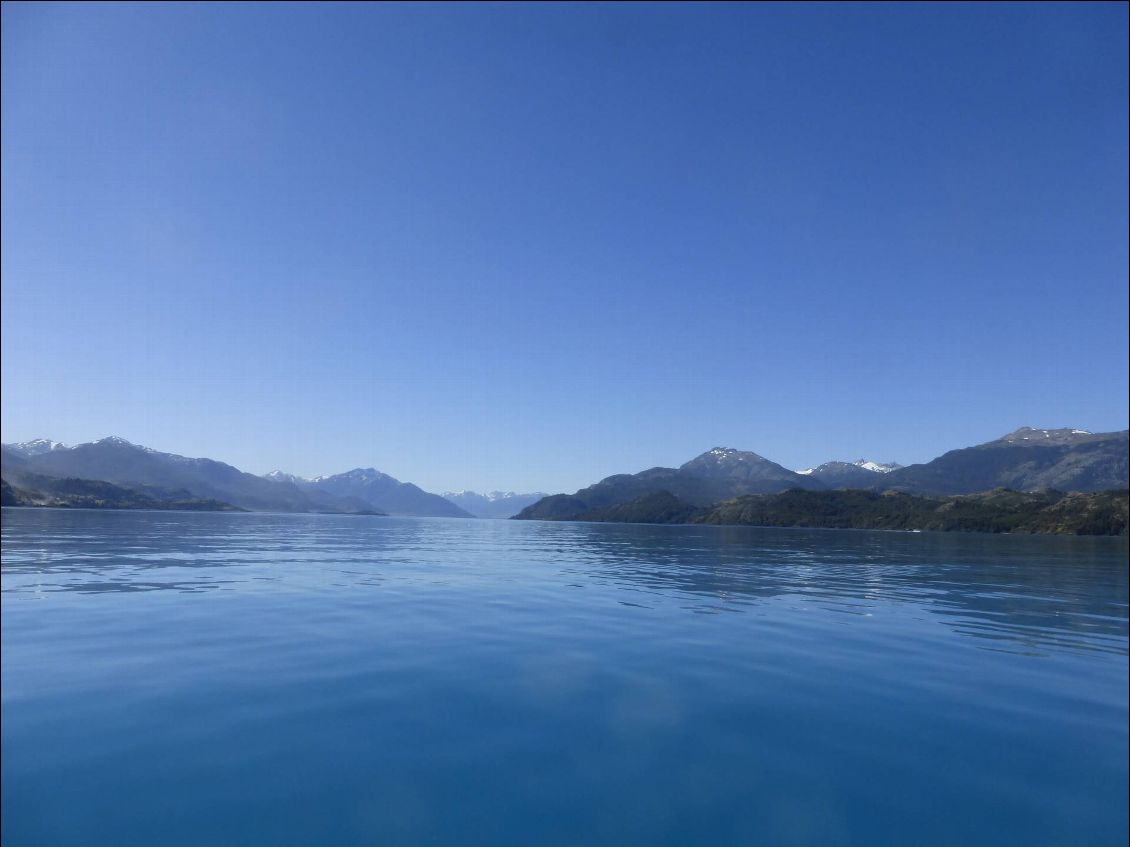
(716,475)
(281,476)
(141,469)
(495,504)
(861,473)
(117,461)
(13,461)
(387,494)
(1025,460)
(318,495)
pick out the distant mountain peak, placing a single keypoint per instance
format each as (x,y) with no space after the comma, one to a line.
(862,464)
(877,467)
(1029,459)
(388,494)
(739,471)
(728,453)
(490,496)
(722,456)
(118,441)
(38,446)
(283,476)
(355,475)
(1029,435)
(494,504)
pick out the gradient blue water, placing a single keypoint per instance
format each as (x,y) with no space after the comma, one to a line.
(277,679)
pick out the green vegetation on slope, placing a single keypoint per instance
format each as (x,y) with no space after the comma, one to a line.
(39,490)
(1001,510)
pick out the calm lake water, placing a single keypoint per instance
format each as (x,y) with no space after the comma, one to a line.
(215,679)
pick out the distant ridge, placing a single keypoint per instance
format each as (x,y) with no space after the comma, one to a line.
(494,504)
(36,447)
(118,461)
(858,474)
(718,474)
(1027,460)
(385,493)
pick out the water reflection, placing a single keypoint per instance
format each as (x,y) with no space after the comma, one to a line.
(1031,591)
(1021,593)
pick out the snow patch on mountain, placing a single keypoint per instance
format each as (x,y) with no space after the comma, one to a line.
(1046,436)
(863,464)
(37,446)
(490,496)
(283,476)
(877,467)
(118,441)
(729,453)
(356,475)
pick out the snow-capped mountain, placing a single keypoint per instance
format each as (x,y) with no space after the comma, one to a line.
(865,464)
(283,476)
(1027,436)
(490,496)
(115,460)
(493,504)
(760,473)
(862,473)
(358,476)
(877,467)
(36,447)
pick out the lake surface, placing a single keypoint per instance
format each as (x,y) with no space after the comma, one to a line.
(210,679)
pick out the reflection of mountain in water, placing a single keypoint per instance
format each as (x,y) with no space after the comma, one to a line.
(1030,592)
(1025,593)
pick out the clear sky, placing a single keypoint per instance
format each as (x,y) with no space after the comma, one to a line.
(529,246)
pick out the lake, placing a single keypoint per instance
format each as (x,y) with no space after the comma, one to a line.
(212,678)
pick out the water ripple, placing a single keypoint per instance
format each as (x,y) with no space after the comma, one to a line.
(284,679)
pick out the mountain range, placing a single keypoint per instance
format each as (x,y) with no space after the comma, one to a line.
(1027,460)
(34,471)
(386,493)
(857,474)
(113,473)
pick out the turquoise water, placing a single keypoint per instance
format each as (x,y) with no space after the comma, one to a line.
(214,679)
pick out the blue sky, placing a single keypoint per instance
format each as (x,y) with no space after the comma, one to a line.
(529,246)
